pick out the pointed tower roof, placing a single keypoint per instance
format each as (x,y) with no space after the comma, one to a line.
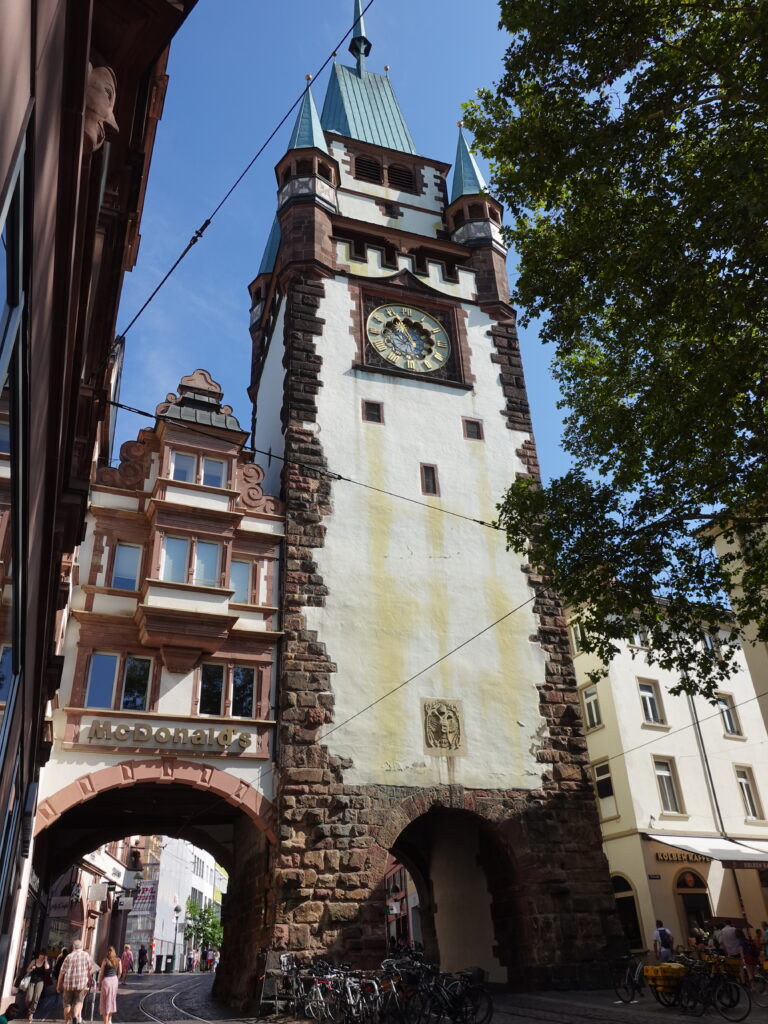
(267,264)
(467,179)
(362,105)
(359,45)
(307,132)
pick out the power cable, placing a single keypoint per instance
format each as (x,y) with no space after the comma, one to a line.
(304,466)
(198,234)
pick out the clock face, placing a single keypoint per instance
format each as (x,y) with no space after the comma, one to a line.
(408,338)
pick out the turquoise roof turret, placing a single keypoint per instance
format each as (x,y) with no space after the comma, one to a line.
(267,264)
(362,105)
(467,179)
(307,132)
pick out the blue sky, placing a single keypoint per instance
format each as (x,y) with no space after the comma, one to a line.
(235,68)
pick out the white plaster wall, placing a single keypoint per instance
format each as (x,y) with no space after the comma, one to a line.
(407,584)
(269,430)
(431,199)
(196,498)
(417,222)
(373,266)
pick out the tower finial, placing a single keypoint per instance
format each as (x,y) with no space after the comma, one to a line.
(359,45)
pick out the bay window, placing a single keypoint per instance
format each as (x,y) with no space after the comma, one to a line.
(211,689)
(125,569)
(134,676)
(184,467)
(207,557)
(175,559)
(233,690)
(240,582)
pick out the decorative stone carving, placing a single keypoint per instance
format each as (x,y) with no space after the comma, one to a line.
(135,460)
(99,107)
(249,479)
(443,727)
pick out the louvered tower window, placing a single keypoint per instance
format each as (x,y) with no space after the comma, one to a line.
(401,178)
(368,170)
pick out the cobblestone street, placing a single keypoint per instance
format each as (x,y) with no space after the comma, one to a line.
(186,997)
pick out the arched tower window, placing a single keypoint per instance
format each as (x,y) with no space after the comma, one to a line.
(367,169)
(304,167)
(626,907)
(401,178)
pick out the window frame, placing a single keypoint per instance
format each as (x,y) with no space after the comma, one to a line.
(648,702)
(123,672)
(729,711)
(118,680)
(590,703)
(199,459)
(748,788)
(188,568)
(218,545)
(672,775)
(250,588)
(465,421)
(179,452)
(126,544)
(423,467)
(193,541)
(261,692)
(364,404)
(220,462)
(599,777)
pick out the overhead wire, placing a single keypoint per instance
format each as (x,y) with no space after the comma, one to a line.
(308,467)
(198,234)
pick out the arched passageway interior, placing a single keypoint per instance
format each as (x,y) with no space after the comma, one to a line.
(207,820)
(465,884)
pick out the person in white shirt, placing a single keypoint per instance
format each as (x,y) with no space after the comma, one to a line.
(729,941)
(663,943)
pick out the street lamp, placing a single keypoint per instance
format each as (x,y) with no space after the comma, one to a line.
(176,912)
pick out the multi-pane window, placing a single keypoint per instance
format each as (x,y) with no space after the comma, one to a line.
(213,472)
(373,412)
(651,702)
(591,707)
(604,788)
(473,429)
(728,714)
(641,637)
(102,677)
(184,467)
(211,689)
(240,581)
(577,635)
(125,570)
(746,781)
(230,689)
(667,783)
(175,559)
(243,691)
(429,484)
(207,558)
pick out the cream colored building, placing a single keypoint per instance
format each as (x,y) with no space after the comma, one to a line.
(682,790)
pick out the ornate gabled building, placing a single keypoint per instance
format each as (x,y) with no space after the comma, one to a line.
(164,720)
(427,698)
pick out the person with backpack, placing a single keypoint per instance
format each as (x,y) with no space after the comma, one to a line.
(663,943)
(750,955)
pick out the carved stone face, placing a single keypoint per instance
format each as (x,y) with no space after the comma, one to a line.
(99,107)
(441,725)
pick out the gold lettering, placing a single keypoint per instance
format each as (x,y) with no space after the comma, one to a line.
(225,737)
(379,345)
(391,312)
(100,731)
(198,737)
(439,356)
(181,735)
(410,364)
(428,365)
(244,740)
(162,735)
(440,343)
(406,311)
(392,357)
(122,732)
(141,733)
(210,739)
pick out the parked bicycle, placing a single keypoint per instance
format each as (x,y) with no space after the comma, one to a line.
(628,977)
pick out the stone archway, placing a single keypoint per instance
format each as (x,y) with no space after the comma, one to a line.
(210,807)
(163,771)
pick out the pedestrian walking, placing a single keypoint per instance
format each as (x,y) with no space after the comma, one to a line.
(74,981)
(59,961)
(663,943)
(39,972)
(111,969)
(143,957)
(127,962)
(209,959)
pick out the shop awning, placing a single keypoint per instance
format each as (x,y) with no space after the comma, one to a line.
(731,853)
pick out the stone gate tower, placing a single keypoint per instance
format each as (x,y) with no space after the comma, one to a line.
(385,351)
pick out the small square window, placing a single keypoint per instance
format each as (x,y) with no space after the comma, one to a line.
(473,429)
(373,412)
(429,484)
(214,472)
(184,467)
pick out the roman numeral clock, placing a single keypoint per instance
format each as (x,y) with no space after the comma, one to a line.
(409,338)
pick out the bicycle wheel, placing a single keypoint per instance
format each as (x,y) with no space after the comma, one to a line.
(760,990)
(480,1001)
(731,1000)
(691,996)
(624,982)
(416,1008)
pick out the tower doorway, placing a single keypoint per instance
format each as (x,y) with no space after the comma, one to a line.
(464,880)
(626,906)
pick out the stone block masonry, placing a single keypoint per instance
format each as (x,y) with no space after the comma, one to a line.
(551,903)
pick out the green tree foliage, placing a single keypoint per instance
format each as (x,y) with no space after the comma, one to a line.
(629,141)
(203,927)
